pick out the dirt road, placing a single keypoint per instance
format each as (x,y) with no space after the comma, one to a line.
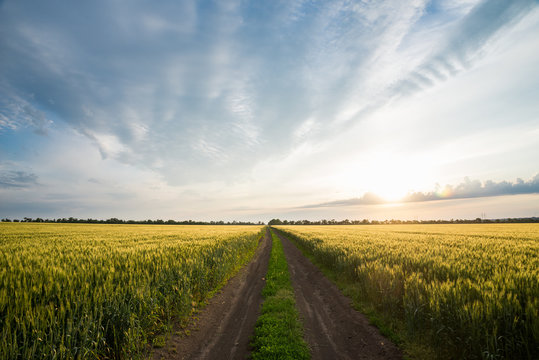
(225,326)
(333,329)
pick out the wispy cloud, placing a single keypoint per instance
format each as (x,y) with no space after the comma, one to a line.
(465,44)
(425,49)
(12,179)
(367,199)
(17,113)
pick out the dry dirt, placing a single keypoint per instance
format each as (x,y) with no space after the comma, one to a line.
(224,327)
(332,328)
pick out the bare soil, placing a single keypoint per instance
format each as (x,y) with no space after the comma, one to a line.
(332,328)
(223,329)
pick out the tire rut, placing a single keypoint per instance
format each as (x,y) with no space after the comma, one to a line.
(332,328)
(225,326)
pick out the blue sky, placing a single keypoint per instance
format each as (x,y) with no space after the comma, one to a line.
(250,110)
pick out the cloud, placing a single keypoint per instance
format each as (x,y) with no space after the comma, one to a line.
(474,188)
(11,179)
(465,45)
(16,113)
(466,190)
(467,42)
(201,91)
(421,49)
(367,199)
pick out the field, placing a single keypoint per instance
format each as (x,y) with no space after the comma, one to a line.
(468,291)
(113,291)
(107,291)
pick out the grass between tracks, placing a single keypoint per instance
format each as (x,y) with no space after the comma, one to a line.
(279,332)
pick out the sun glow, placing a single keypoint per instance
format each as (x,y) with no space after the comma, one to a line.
(385,182)
(387,175)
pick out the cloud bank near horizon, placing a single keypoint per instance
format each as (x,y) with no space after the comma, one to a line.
(465,190)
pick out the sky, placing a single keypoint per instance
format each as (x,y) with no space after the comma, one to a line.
(250,110)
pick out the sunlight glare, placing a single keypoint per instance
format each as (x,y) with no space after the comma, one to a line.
(388,176)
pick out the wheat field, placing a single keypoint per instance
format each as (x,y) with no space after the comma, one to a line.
(471,290)
(73,291)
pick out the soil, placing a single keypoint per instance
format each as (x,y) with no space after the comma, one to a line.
(223,329)
(332,328)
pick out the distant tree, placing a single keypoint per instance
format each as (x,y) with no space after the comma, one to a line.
(114,221)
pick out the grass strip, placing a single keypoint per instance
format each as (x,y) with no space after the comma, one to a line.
(279,332)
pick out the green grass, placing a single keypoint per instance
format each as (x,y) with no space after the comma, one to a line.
(279,332)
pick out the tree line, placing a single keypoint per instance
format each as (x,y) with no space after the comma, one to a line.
(120,221)
(274,221)
(393,221)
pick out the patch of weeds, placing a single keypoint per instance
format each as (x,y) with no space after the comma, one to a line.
(159,341)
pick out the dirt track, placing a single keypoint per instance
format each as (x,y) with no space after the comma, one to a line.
(225,326)
(333,329)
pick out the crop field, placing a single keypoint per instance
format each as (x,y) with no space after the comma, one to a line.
(106,291)
(469,291)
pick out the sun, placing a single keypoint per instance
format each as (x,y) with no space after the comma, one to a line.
(387,175)
(390,193)
(384,183)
